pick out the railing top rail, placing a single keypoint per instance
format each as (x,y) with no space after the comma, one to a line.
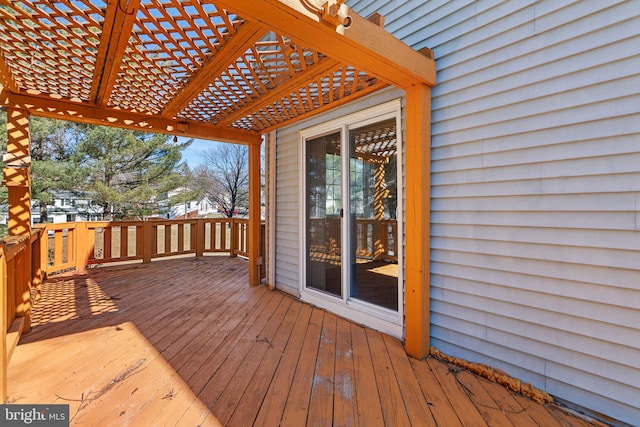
(106,224)
(14,245)
(57,226)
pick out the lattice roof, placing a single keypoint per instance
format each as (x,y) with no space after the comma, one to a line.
(190,62)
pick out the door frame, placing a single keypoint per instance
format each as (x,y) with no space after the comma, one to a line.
(379,318)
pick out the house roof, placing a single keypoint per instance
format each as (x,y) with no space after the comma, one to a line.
(217,69)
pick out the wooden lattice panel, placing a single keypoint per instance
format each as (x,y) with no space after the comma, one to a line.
(170,42)
(332,87)
(51,47)
(184,59)
(272,61)
(236,97)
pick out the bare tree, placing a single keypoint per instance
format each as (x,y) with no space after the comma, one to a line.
(224,177)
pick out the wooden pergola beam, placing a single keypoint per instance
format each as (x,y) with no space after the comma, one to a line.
(301,80)
(6,79)
(363,44)
(243,39)
(417,220)
(116,32)
(77,112)
(255,215)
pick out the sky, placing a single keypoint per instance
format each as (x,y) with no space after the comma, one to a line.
(193,153)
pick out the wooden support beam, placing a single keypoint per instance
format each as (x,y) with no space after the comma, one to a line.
(363,44)
(4,325)
(83,246)
(253,234)
(6,79)
(17,171)
(116,32)
(78,112)
(243,39)
(417,202)
(301,80)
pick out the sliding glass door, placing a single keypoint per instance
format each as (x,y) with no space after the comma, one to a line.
(373,204)
(323,214)
(350,226)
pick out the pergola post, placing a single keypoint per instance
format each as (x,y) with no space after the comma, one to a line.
(17,172)
(253,233)
(418,195)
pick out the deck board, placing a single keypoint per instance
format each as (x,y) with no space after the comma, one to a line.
(187,342)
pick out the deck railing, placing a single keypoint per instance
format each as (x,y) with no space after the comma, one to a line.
(20,277)
(56,248)
(76,245)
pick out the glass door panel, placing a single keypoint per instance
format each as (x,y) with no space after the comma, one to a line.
(373,198)
(324,214)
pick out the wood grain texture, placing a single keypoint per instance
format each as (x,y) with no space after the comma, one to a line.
(188,342)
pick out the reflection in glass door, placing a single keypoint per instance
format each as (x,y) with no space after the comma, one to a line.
(324,214)
(350,225)
(373,226)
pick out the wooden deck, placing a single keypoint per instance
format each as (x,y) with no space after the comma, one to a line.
(188,342)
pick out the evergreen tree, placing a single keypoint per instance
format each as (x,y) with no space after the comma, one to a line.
(53,143)
(127,170)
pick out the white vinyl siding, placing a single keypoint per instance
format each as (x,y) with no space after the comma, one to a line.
(535,189)
(289,194)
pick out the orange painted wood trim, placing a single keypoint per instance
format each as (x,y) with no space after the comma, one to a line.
(113,44)
(417,221)
(17,173)
(83,113)
(253,227)
(364,44)
(198,236)
(168,230)
(148,237)
(233,245)
(3,324)
(107,242)
(140,241)
(124,242)
(242,40)
(81,245)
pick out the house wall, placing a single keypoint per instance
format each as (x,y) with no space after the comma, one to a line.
(536,189)
(288,192)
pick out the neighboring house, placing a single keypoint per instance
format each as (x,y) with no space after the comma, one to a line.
(535,195)
(189,209)
(68,206)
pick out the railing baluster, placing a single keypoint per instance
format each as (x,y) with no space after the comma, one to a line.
(140,241)
(168,234)
(197,237)
(107,235)
(234,238)
(180,237)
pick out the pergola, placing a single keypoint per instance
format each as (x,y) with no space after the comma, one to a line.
(225,70)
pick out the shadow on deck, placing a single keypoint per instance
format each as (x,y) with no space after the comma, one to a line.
(188,342)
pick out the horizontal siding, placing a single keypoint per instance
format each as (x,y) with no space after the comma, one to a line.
(535,189)
(287,259)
